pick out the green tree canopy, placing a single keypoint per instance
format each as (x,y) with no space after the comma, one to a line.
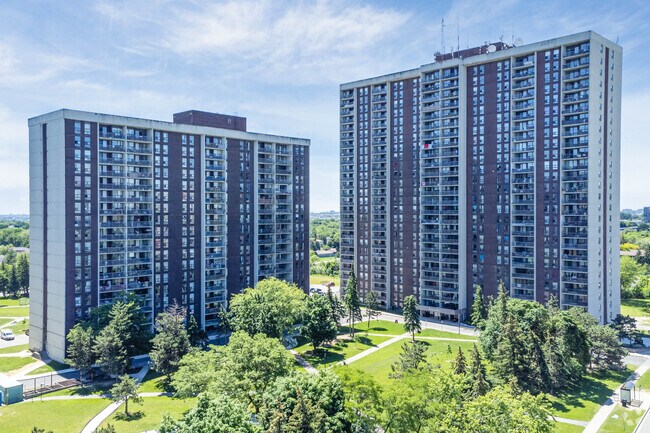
(411,316)
(271,308)
(318,325)
(171,341)
(124,390)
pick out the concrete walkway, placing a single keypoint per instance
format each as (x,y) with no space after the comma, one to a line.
(374,349)
(303,362)
(94,423)
(605,411)
(569,421)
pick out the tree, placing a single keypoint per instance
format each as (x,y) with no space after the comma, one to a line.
(460,365)
(631,271)
(171,341)
(479,308)
(625,327)
(244,369)
(372,306)
(198,337)
(337,308)
(304,396)
(213,413)
(271,308)
(129,322)
(363,399)
(125,389)
(81,355)
(480,385)
(13,285)
(22,271)
(351,301)
(412,358)
(40,430)
(317,323)
(110,351)
(605,352)
(411,316)
(108,429)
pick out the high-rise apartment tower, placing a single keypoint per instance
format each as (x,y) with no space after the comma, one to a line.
(493,164)
(191,210)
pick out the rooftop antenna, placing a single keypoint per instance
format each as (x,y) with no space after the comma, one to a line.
(458,34)
(442,35)
(512,41)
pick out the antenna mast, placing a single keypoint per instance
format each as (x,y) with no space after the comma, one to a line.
(442,35)
(458,34)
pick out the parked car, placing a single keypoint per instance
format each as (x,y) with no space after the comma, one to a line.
(7,334)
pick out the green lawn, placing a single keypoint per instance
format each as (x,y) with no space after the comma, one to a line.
(376,327)
(152,411)
(21,327)
(60,416)
(77,390)
(317,280)
(444,334)
(13,302)
(13,363)
(153,382)
(14,349)
(644,381)
(378,364)
(48,368)
(4,321)
(635,307)
(582,402)
(625,421)
(343,349)
(14,311)
(561,427)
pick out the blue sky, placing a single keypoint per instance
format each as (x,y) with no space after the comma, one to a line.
(278,63)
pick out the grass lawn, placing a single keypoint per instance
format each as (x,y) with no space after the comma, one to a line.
(21,327)
(644,381)
(378,364)
(4,321)
(444,334)
(582,402)
(343,349)
(561,427)
(152,411)
(48,368)
(376,327)
(13,363)
(14,311)
(13,302)
(153,382)
(634,307)
(77,390)
(14,349)
(317,280)
(625,421)
(60,416)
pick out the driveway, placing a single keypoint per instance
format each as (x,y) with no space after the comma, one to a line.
(20,339)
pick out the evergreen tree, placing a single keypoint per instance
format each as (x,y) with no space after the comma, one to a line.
(411,316)
(110,351)
(171,341)
(351,301)
(480,385)
(126,389)
(372,306)
(13,284)
(479,308)
(198,337)
(306,417)
(81,355)
(336,307)
(460,365)
(22,271)
(412,357)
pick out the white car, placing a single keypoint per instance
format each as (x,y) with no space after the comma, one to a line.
(7,334)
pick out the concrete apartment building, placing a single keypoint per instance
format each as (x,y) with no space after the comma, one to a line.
(496,163)
(192,210)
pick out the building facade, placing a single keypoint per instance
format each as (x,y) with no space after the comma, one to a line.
(496,164)
(192,210)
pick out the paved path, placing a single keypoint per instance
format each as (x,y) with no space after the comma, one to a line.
(94,423)
(374,349)
(428,323)
(605,411)
(91,396)
(569,421)
(304,363)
